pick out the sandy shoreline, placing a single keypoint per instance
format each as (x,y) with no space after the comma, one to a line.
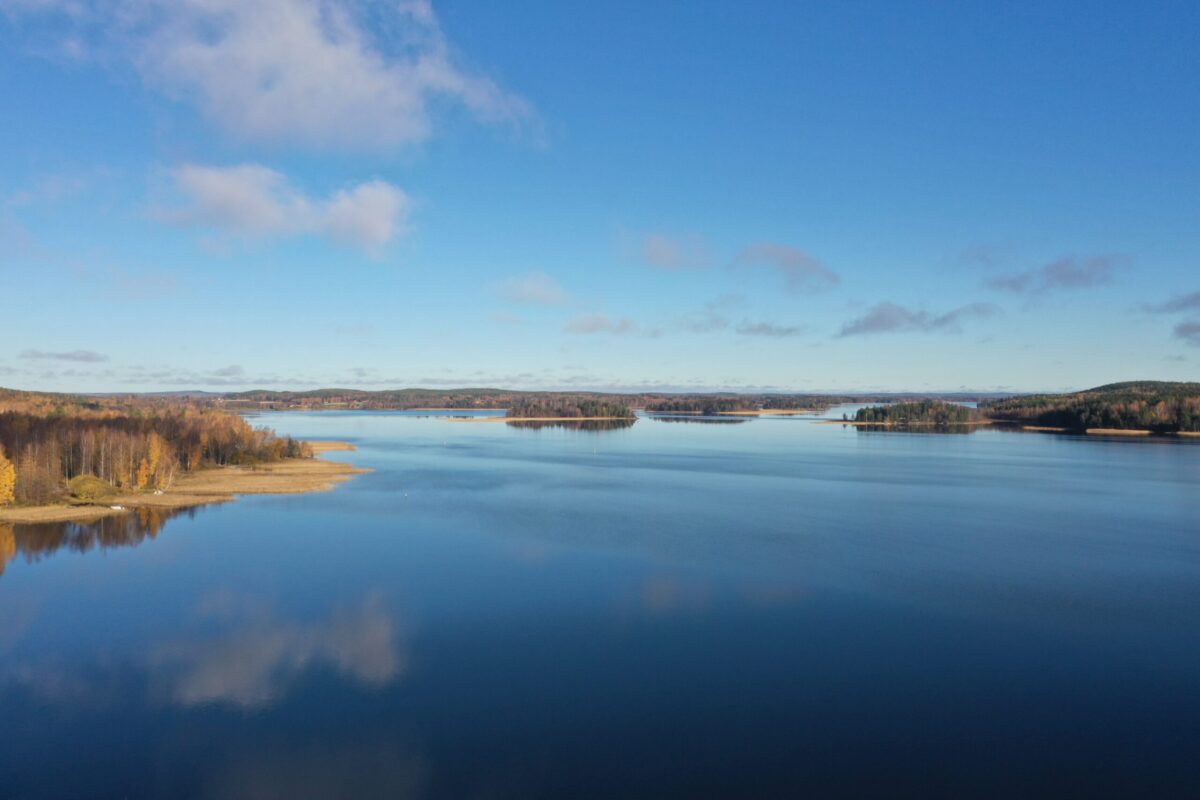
(1110,431)
(206,486)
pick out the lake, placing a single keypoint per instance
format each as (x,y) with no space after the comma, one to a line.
(775,608)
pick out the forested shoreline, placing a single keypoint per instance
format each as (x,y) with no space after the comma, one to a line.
(1156,406)
(47,442)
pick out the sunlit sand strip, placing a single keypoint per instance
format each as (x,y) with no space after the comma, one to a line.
(1118,432)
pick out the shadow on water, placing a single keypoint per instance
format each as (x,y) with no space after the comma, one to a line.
(42,540)
(592,425)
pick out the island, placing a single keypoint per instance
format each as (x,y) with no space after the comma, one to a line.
(77,458)
(925,413)
(555,408)
(711,405)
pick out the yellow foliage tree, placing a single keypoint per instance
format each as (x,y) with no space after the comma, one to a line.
(155,450)
(143,475)
(8,479)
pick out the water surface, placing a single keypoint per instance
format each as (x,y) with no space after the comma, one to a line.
(771,608)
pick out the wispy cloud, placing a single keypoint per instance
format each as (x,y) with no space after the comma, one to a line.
(599,323)
(534,289)
(308,72)
(54,188)
(1189,332)
(253,200)
(769,329)
(233,375)
(893,318)
(1176,305)
(986,256)
(713,316)
(507,318)
(79,356)
(801,272)
(1069,272)
(675,253)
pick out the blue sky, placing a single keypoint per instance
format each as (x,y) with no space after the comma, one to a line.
(787,196)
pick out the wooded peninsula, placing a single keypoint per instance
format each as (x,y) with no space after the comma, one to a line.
(64,456)
(1155,406)
(1150,407)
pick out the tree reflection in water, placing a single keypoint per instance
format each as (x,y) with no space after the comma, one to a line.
(712,420)
(574,425)
(935,429)
(41,540)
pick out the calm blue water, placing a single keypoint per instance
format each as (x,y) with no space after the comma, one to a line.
(774,608)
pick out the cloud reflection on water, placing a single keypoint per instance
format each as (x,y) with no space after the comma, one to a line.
(255,664)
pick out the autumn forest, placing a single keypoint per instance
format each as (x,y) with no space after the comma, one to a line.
(47,442)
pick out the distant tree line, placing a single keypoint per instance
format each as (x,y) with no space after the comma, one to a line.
(43,447)
(924,412)
(482,398)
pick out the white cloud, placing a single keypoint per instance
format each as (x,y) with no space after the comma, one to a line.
(253,200)
(535,289)
(309,72)
(368,215)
